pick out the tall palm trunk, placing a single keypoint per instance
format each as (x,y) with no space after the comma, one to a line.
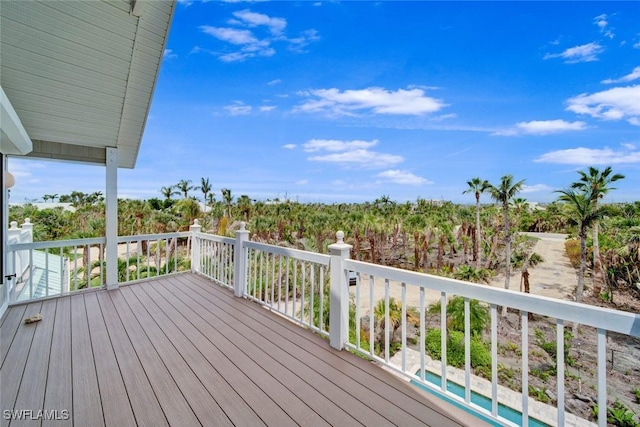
(477,252)
(583,263)
(507,251)
(599,275)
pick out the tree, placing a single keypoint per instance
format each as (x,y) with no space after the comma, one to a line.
(169,191)
(185,186)
(205,187)
(477,187)
(583,212)
(596,183)
(228,199)
(503,193)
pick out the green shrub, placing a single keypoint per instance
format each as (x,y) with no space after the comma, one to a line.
(479,314)
(480,355)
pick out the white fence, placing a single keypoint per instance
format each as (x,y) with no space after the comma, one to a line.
(386,310)
(45,269)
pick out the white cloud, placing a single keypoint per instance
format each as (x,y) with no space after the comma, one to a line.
(256,36)
(375,99)
(230,35)
(633,75)
(334,145)
(289,146)
(252,19)
(238,109)
(350,153)
(362,158)
(302,182)
(542,127)
(582,156)
(613,104)
(274,82)
(535,188)
(602,23)
(306,37)
(267,108)
(168,54)
(584,53)
(397,176)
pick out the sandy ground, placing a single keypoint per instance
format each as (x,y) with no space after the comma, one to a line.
(554,278)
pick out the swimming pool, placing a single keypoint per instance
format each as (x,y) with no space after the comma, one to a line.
(505,412)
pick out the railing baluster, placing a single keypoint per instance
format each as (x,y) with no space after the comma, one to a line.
(312,296)
(358,327)
(602,377)
(303,290)
(372,320)
(524,320)
(443,341)
(404,327)
(560,369)
(423,315)
(494,359)
(46,272)
(386,320)
(467,351)
(286,283)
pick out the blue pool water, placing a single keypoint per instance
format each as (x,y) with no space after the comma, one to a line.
(478,399)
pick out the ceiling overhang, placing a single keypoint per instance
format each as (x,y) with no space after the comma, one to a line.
(13,137)
(80,75)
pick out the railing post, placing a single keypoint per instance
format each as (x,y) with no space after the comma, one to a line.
(195,246)
(240,261)
(339,285)
(13,233)
(27,231)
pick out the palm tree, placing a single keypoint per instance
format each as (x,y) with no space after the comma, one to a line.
(185,186)
(205,187)
(503,193)
(477,187)
(583,212)
(596,184)
(228,199)
(169,191)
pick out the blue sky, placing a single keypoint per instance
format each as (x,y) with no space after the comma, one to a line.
(349,101)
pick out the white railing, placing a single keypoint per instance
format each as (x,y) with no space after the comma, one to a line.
(392,284)
(292,282)
(386,310)
(216,258)
(44,269)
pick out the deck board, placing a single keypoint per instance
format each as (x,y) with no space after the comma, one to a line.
(207,362)
(368,375)
(16,359)
(86,405)
(143,400)
(35,371)
(58,393)
(183,351)
(174,405)
(115,401)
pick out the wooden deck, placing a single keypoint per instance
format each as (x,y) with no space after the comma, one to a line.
(182,351)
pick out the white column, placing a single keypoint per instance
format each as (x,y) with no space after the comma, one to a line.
(196,259)
(3,236)
(240,261)
(339,311)
(111,228)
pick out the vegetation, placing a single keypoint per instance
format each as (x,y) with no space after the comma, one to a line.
(461,241)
